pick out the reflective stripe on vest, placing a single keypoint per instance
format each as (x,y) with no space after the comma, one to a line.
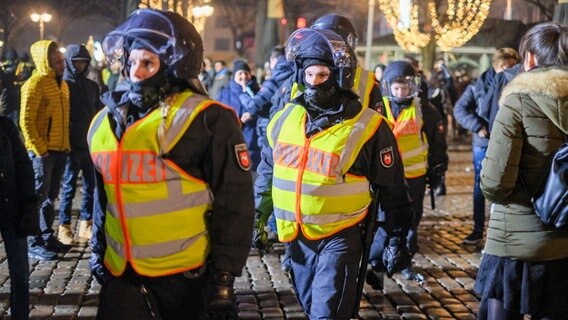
(411,140)
(364,82)
(311,188)
(155,214)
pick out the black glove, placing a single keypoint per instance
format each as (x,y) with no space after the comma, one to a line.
(396,256)
(434,180)
(28,224)
(260,235)
(220,296)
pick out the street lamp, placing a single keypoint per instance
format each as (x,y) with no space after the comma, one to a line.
(41,18)
(196,11)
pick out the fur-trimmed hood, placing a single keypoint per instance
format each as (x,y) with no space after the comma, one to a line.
(548,88)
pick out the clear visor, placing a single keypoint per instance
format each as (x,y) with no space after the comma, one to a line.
(150,30)
(342,55)
(402,88)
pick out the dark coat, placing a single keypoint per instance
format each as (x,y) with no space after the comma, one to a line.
(259,105)
(17,191)
(83,97)
(490,105)
(467,108)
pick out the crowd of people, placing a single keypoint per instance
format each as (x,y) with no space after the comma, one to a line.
(187,163)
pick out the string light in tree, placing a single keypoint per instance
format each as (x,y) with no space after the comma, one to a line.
(463,19)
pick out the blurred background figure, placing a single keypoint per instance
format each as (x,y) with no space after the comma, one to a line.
(9,87)
(467,114)
(221,78)
(243,81)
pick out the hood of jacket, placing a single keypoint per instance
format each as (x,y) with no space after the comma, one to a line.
(40,57)
(78,53)
(548,88)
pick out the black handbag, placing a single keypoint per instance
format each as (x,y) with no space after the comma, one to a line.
(551,205)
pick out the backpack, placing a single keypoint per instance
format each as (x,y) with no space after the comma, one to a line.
(551,205)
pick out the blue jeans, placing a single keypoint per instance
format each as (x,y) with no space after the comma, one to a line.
(324,273)
(77,161)
(478,198)
(48,172)
(18,266)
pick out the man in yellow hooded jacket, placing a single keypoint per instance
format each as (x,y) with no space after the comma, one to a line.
(44,120)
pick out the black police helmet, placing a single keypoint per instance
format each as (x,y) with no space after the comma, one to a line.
(325,46)
(400,72)
(169,35)
(340,25)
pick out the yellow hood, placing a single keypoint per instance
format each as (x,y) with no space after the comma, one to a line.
(39,52)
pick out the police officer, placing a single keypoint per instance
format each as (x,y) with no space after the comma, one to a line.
(174,205)
(419,132)
(364,84)
(325,152)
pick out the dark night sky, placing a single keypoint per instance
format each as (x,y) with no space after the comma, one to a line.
(77,32)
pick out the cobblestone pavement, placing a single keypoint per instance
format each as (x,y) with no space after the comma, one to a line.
(64,289)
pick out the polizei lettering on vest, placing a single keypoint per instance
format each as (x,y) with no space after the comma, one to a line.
(137,167)
(318,161)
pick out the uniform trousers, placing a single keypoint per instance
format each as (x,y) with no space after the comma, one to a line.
(324,273)
(132,296)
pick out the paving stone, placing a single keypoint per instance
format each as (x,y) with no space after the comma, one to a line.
(249,315)
(436,313)
(408,309)
(369,314)
(87,313)
(414,316)
(465,316)
(456,308)
(296,316)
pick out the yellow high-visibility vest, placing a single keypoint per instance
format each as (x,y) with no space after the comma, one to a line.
(311,189)
(364,83)
(411,140)
(155,215)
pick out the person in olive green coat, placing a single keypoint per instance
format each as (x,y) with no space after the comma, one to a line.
(524,267)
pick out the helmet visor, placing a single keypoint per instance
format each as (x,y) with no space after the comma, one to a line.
(341,53)
(401,88)
(150,30)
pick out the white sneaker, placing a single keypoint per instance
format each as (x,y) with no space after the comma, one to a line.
(65,235)
(85,229)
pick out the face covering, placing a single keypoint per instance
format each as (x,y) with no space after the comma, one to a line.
(322,95)
(145,94)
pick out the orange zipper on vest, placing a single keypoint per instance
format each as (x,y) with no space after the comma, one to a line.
(119,199)
(303,162)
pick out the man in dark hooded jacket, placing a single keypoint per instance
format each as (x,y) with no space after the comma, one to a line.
(84,103)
